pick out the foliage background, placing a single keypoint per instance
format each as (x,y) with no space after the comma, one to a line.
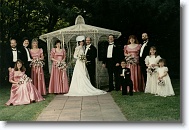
(32,18)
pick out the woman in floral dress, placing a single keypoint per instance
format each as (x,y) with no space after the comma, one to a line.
(37,73)
(58,80)
(132,49)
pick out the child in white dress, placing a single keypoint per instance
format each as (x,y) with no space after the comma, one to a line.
(151,62)
(164,86)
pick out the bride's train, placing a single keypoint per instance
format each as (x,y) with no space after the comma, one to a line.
(80,83)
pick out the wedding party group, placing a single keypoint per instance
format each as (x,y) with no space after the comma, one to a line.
(141,70)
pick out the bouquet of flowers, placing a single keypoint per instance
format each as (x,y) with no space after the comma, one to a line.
(131,60)
(161,82)
(61,65)
(151,70)
(24,79)
(83,58)
(37,63)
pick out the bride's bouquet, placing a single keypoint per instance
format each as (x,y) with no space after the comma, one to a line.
(24,79)
(83,58)
(131,60)
(151,70)
(37,63)
(61,65)
(161,82)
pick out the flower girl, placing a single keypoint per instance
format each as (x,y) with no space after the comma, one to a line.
(151,62)
(164,86)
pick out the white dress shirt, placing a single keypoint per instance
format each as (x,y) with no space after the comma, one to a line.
(123,72)
(14,55)
(142,48)
(87,47)
(110,50)
(28,55)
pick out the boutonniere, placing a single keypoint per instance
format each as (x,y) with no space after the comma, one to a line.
(114,45)
(19,52)
(89,48)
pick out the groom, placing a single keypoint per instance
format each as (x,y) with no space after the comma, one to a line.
(91,54)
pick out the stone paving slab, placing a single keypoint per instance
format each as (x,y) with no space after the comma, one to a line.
(86,108)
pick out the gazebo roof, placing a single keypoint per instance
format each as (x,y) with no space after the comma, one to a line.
(81,28)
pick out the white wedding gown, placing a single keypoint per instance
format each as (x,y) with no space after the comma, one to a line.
(80,83)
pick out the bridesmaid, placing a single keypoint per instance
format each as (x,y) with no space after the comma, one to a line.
(22,92)
(37,73)
(58,80)
(133,49)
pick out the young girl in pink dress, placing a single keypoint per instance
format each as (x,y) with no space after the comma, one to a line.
(37,73)
(58,80)
(22,90)
(132,50)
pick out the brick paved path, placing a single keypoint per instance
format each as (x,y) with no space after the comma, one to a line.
(86,108)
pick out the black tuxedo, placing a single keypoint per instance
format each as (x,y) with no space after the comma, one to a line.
(126,81)
(111,66)
(9,57)
(91,64)
(24,58)
(145,53)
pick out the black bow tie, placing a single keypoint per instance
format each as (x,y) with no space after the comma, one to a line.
(13,49)
(110,44)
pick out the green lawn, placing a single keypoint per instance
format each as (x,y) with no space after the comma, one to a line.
(23,112)
(139,107)
(147,107)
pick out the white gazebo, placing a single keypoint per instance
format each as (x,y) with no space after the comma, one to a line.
(68,35)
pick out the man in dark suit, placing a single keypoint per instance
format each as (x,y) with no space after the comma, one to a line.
(144,51)
(12,54)
(26,56)
(125,79)
(111,62)
(91,54)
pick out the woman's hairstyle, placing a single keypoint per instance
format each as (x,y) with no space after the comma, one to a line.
(22,69)
(163,60)
(25,38)
(81,41)
(57,41)
(154,48)
(34,40)
(134,37)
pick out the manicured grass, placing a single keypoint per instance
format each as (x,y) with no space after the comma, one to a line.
(23,112)
(147,107)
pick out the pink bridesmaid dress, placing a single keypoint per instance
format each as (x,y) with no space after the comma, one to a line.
(37,73)
(58,80)
(24,93)
(136,75)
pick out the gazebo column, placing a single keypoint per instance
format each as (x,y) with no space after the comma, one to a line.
(96,39)
(49,39)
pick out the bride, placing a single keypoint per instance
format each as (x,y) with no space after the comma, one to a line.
(80,83)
